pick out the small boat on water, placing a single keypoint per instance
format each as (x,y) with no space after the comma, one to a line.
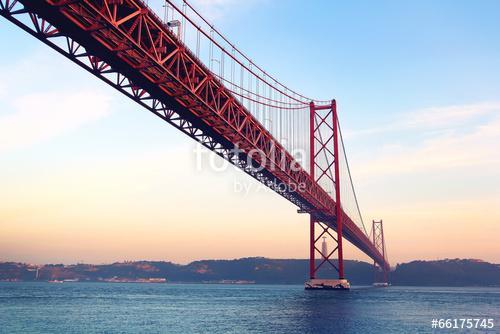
(55,281)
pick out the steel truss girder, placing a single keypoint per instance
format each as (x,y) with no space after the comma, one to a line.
(91,63)
(182,78)
(132,27)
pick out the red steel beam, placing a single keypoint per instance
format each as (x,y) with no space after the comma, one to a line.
(312,220)
(338,207)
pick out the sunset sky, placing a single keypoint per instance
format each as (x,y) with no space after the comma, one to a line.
(88,176)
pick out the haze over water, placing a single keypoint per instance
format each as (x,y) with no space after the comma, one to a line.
(197,308)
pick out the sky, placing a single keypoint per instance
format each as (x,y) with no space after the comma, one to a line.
(88,176)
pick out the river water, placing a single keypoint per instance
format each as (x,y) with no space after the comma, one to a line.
(204,308)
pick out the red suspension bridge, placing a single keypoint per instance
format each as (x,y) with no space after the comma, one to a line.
(181,68)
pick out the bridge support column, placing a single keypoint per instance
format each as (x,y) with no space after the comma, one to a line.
(380,274)
(323,155)
(312,251)
(338,207)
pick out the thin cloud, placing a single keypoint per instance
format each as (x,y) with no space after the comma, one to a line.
(477,147)
(3,89)
(433,118)
(30,114)
(450,115)
(39,117)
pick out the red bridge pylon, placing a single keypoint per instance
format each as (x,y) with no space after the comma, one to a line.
(380,274)
(324,148)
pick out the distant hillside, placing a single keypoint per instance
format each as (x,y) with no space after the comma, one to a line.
(262,271)
(447,272)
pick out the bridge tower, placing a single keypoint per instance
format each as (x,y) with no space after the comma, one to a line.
(324,152)
(380,274)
